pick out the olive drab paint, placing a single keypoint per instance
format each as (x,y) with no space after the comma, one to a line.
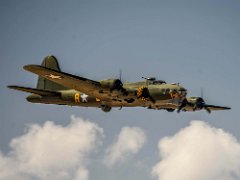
(57,87)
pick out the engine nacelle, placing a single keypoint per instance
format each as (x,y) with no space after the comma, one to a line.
(194,103)
(112,84)
(106,108)
(113,87)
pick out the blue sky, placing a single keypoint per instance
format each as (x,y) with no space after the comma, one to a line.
(195,43)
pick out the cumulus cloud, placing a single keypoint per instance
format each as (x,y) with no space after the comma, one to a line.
(51,151)
(198,152)
(129,141)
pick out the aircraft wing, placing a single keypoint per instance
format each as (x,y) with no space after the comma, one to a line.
(87,86)
(35,91)
(206,107)
(214,108)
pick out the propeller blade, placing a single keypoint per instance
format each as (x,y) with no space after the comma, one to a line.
(120,74)
(207,109)
(202,93)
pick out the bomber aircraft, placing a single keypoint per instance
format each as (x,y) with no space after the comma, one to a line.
(57,87)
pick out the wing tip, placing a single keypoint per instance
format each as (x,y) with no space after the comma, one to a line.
(11,86)
(29,67)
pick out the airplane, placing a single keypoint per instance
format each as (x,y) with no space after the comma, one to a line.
(61,88)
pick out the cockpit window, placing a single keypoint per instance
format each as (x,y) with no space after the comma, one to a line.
(182,92)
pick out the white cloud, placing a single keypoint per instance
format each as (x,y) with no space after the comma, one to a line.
(51,151)
(129,141)
(198,152)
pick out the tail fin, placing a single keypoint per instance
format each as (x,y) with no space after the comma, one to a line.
(51,63)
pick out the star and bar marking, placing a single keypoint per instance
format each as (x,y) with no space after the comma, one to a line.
(52,76)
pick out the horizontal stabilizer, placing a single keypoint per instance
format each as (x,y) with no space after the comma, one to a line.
(35,91)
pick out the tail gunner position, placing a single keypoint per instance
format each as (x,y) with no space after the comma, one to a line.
(57,87)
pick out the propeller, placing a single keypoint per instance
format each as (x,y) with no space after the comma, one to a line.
(120,74)
(200,104)
(205,106)
(118,85)
(184,103)
(124,91)
(201,92)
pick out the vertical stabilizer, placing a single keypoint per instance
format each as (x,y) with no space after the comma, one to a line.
(51,63)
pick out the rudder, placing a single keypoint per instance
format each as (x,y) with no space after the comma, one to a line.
(50,62)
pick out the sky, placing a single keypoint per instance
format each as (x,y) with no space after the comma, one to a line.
(195,43)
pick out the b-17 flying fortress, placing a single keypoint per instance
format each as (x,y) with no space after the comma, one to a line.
(57,87)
